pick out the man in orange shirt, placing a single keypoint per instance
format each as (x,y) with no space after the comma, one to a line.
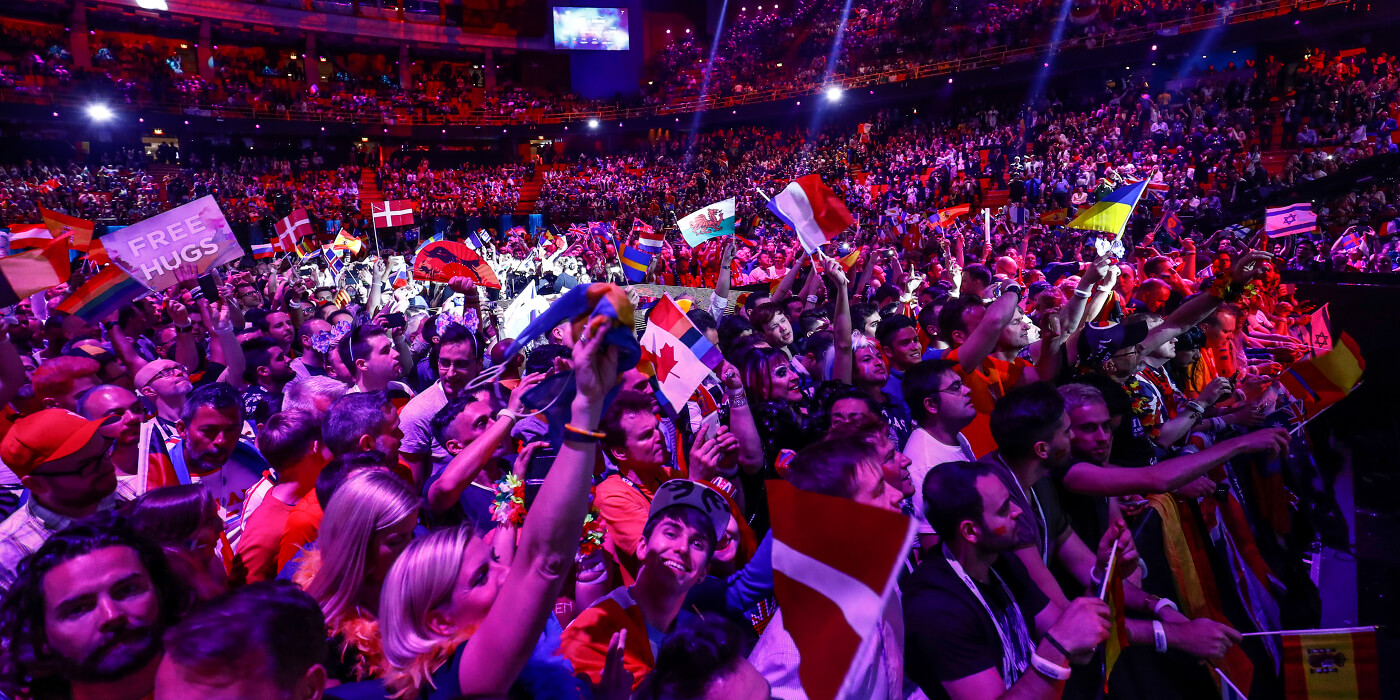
(291,442)
(986,340)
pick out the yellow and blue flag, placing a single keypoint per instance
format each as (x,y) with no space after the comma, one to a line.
(635,263)
(1111,213)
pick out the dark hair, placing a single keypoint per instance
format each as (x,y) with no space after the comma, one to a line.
(765,312)
(257,353)
(890,325)
(1194,338)
(1115,397)
(542,358)
(950,318)
(862,311)
(812,319)
(355,344)
(627,401)
(699,652)
(702,319)
(353,415)
(270,628)
(690,516)
(885,291)
(978,273)
(216,395)
(1024,416)
(754,299)
(921,381)
(951,496)
(814,344)
(753,369)
(831,392)
(287,435)
(731,329)
(928,317)
(457,333)
(444,417)
(171,515)
(28,666)
(830,466)
(339,469)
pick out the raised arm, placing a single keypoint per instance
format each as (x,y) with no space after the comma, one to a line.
(1171,474)
(983,339)
(465,465)
(497,652)
(841,324)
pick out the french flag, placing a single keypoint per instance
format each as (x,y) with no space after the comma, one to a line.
(812,210)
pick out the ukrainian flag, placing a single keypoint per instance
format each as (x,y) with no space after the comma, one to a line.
(1111,213)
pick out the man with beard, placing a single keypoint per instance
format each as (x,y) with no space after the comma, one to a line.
(212,451)
(942,406)
(265,374)
(122,414)
(85,617)
(61,459)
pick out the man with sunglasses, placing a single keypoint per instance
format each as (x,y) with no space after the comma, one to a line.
(941,403)
(62,460)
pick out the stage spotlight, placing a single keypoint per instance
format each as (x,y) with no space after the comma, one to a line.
(99,112)
(592,123)
(833,93)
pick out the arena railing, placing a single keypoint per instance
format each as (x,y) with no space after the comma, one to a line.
(923,71)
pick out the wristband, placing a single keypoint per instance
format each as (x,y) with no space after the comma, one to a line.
(1058,646)
(1159,636)
(1095,577)
(1164,603)
(738,402)
(1044,667)
(811,298)
(507,413)
(1105,288)
(573,432)
(1082,293)
(1195,407)
(185,327)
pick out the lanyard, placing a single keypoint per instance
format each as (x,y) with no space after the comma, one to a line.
(1009,674)
(1039,512)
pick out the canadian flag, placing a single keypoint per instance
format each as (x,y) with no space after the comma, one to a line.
(398,212)
(296,226)
(834,566)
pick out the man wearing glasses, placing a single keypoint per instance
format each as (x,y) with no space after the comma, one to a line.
(62,460)
(941,404)
(458,362)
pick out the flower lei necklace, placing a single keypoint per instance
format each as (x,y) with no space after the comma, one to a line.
(509,509)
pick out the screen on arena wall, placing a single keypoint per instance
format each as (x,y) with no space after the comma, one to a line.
(591,28)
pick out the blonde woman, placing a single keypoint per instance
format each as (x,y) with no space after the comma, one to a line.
(462,613)
(366,527)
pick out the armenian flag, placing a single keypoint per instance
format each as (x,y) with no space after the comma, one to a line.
(635,263)
(1111,213)
(58,224)
(110,289)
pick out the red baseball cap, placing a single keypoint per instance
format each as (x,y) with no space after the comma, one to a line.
(39,438)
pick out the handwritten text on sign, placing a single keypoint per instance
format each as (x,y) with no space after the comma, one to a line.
(152,250)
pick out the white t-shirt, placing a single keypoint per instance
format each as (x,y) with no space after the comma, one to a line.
(416,422)
(926,452)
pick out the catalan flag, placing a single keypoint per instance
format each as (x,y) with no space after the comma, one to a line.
(1329,664)
(59,224)
(107,291)
(262,251)
(342,298)
(635,263)
(1111,213)
(1322,381)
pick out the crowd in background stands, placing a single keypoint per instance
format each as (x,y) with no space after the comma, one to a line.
(760,50)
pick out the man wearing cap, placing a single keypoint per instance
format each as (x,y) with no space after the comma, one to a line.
(122,414)
(686,520)
(61,459)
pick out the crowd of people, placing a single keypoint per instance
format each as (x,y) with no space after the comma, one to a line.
(785,47)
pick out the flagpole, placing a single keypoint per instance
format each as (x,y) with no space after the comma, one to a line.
(1108,570)
(1294,633)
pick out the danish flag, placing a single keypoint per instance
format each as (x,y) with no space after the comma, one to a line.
(296,226)
(398,212)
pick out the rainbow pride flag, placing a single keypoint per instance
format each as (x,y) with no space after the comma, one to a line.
(108,290)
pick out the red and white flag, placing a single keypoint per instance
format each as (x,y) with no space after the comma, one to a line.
(834,566)
(295,227)
(398,212)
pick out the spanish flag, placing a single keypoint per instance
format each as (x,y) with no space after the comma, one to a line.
(1111,213)
(58,224)
(1331,665)
(1326,379)
(1057,217)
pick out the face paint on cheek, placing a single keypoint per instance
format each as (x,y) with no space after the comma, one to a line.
(999,530)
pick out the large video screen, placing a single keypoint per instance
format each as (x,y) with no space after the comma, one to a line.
(591,28)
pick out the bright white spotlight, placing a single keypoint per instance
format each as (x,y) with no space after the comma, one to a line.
(99,112)
(592,123)
(833,93)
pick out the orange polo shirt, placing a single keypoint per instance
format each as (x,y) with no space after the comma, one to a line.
(988,384)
